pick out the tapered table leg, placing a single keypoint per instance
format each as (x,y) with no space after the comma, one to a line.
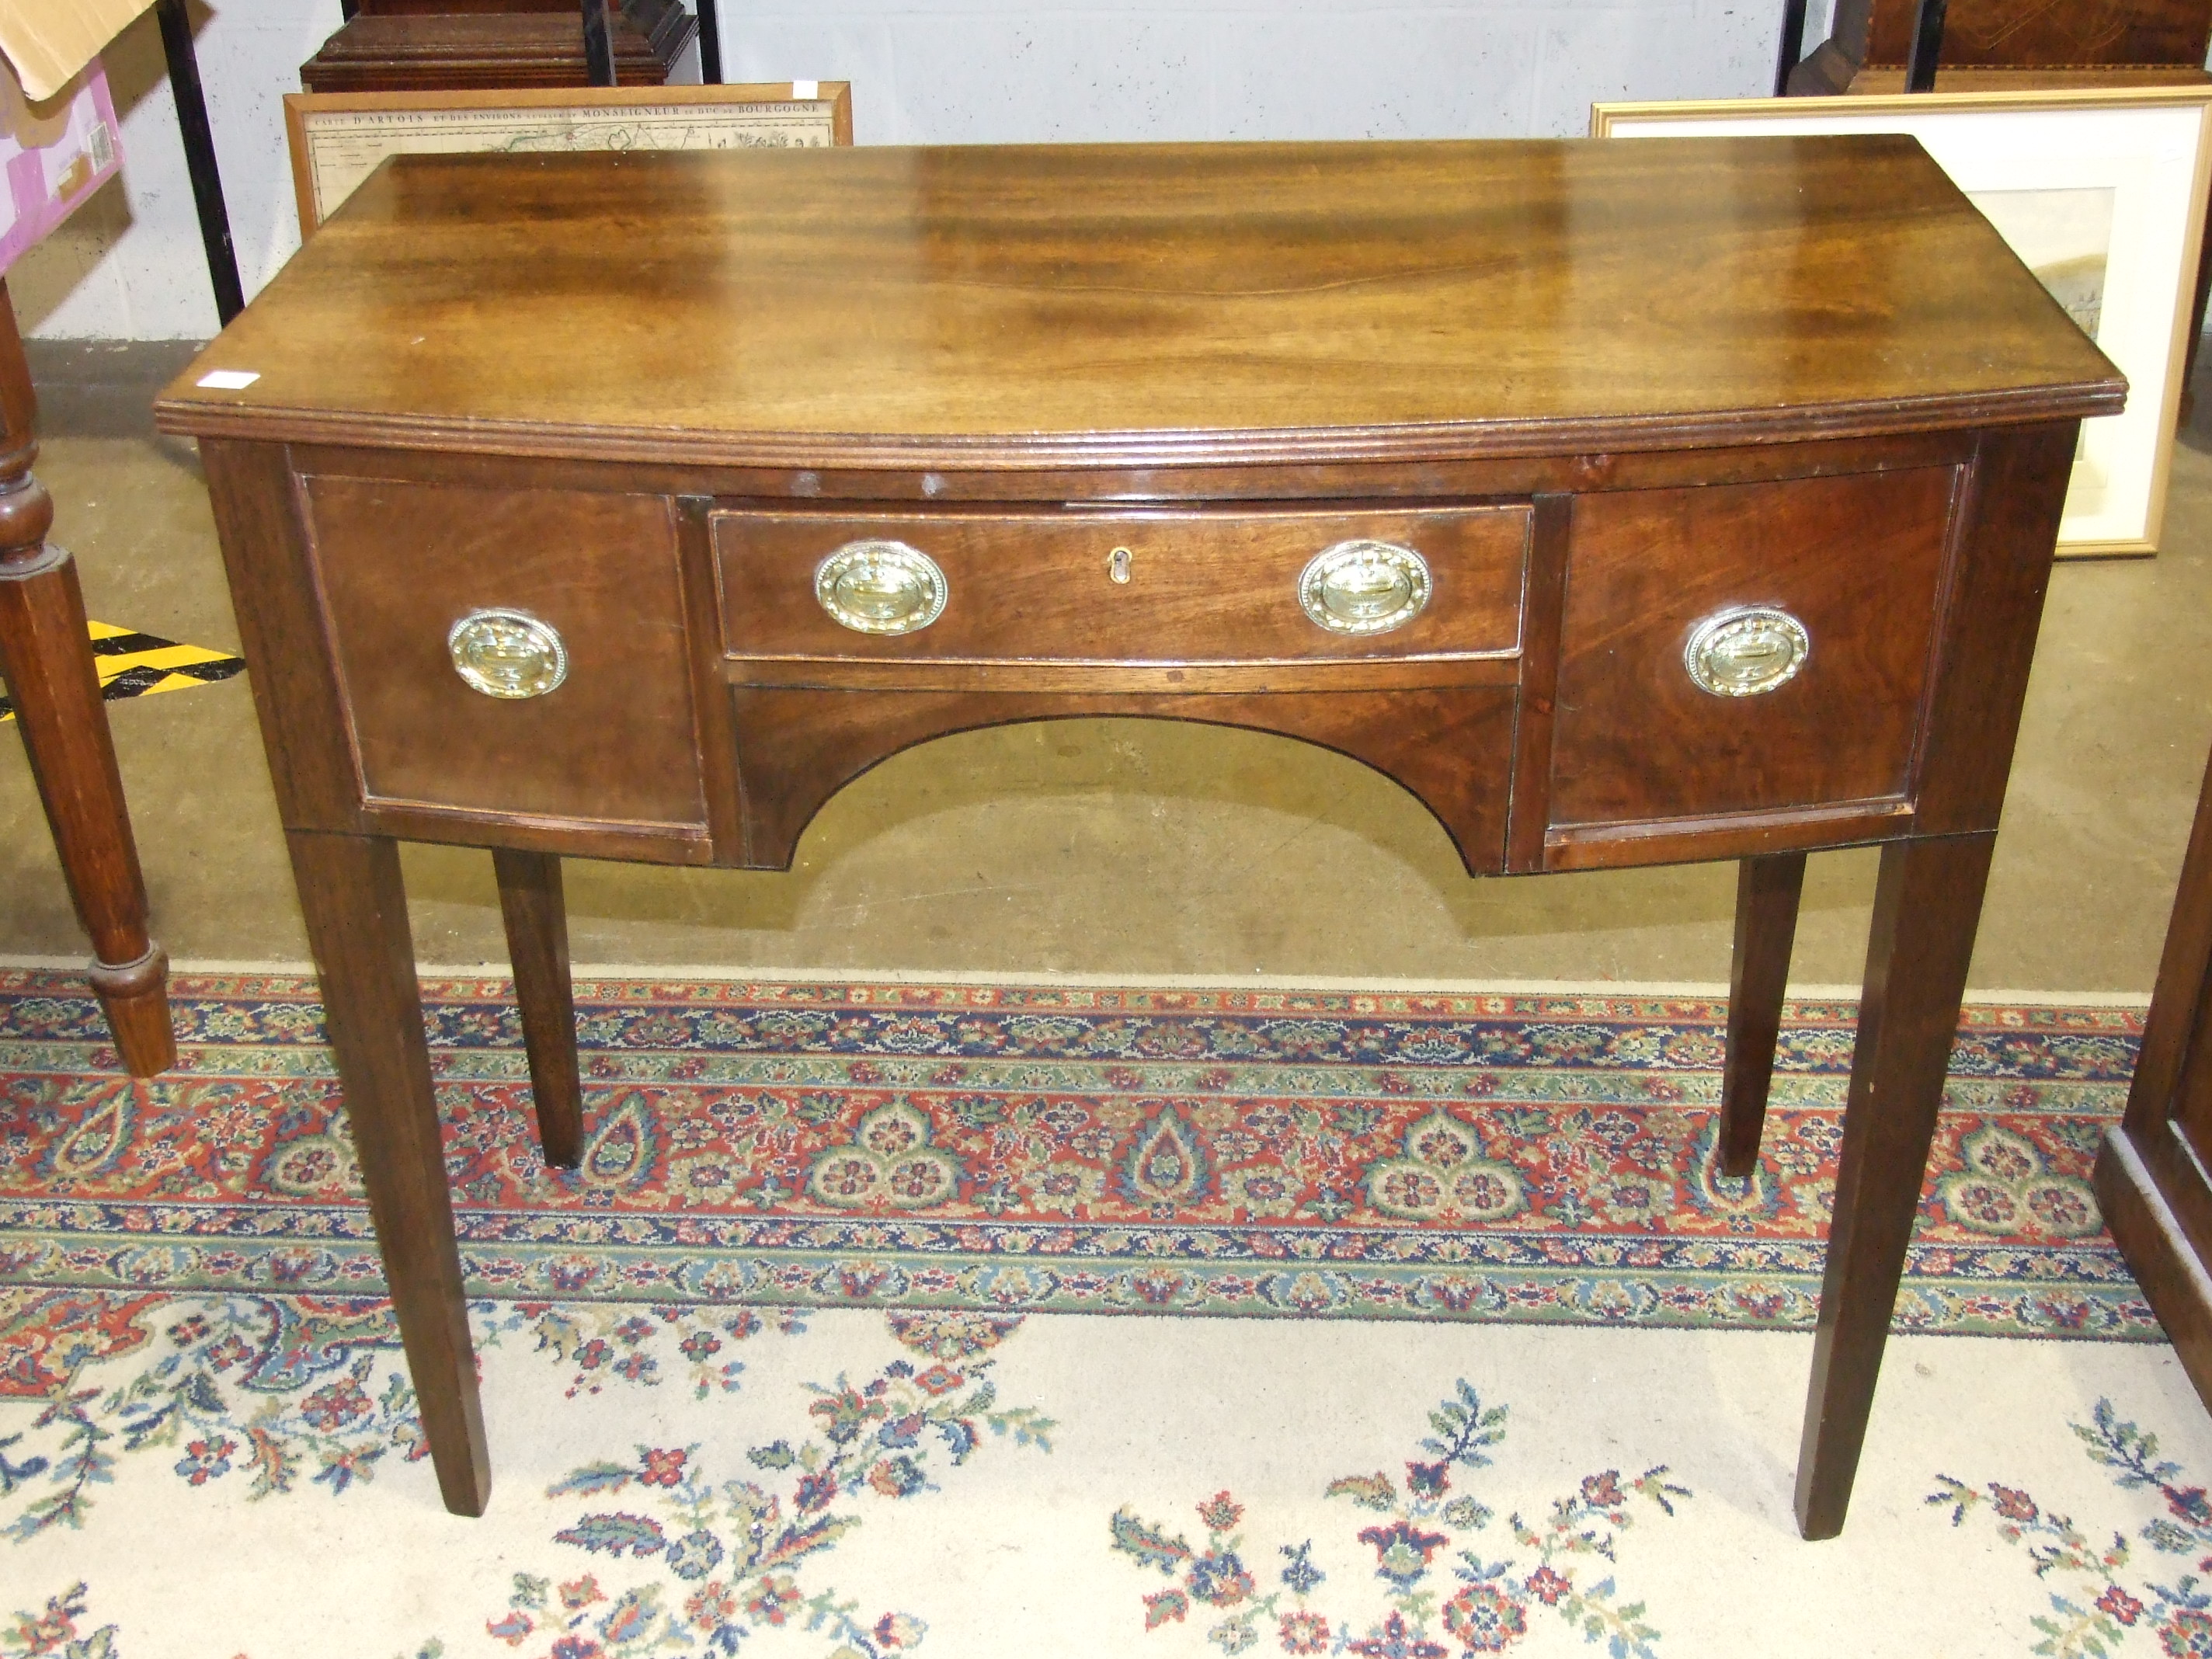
(356,913)
(537,916)
(1766,893)
(46,659)
(1926,907)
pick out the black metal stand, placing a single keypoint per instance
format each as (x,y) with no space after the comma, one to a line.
(710,43)
(1792,42)
(598,44)
(1926,47)
(199,157)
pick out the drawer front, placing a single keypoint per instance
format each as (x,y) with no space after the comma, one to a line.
(399,564)
(1856,560)
(1120,588)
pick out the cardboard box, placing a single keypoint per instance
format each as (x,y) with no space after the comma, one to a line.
(53,155)
(48,41)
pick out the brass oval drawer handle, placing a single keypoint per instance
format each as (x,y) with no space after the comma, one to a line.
(881,587)
(1364,586)
(507,653)
(1746,651)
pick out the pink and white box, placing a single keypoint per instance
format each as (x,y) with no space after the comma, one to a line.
(55,153)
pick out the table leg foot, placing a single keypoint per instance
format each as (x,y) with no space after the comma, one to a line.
(355,906)
(1767,890)
(536,911)
(1926,908)
(46,659)
(135,996)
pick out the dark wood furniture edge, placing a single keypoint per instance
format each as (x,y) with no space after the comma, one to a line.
(2149,1183)
(2005,533)
(1431,753)
(2171,1029)
(490,49)
(1543,601)
(180,412)
(355,903)
(2179,1175)
(535,912)
(264,537)
(1141,489)
(1887,80)
(1092,676)
(1862,40)
(699,575)
(46,653)
(1737,835)
(1767,892)
(2158,1251)
(591,838)
(1928,903)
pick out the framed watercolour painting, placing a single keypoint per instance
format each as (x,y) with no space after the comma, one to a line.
(2099,192)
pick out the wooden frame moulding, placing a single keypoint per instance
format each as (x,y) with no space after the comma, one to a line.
(807,113)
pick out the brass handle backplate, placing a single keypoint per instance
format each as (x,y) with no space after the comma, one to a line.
(507,653)
(1364,586)
(1746,651)
(881,587)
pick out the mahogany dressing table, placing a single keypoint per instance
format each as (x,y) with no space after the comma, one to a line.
(1626,503)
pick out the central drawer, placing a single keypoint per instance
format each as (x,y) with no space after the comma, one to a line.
(1221,588)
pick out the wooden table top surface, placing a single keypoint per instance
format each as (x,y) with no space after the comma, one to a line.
(1118,304)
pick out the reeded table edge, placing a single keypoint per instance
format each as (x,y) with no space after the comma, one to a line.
(188,416)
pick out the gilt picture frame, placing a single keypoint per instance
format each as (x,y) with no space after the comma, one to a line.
(2101,191)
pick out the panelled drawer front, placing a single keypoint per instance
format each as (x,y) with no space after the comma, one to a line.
(1200,586)
(400,563)
(1855,560)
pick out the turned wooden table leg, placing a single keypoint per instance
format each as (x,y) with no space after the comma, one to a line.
(356,913)
(1925,911)
(1766,893)
(46,659)
(537,916)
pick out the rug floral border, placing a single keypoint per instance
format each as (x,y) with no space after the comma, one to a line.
(2075,1059)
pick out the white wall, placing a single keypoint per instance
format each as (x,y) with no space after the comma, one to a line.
(129,265)
(928,71)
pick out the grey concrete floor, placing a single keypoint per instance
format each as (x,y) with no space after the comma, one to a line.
(1117,848)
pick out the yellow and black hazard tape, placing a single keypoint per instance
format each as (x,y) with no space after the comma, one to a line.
(135,665)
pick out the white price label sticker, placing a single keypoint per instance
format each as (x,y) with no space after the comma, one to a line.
(228,380)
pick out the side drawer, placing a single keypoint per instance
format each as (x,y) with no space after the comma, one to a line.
(1122,588)
(399,564)
(1857,561)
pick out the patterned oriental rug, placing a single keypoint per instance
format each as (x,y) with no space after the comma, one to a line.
(982,1320)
